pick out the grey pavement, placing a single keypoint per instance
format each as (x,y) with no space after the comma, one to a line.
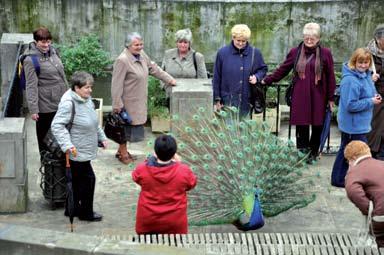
(116,195)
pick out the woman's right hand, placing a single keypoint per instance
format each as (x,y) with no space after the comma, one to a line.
(116,110)
(217,106)
(35,116)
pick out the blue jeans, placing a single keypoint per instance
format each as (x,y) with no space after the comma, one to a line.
(340,166)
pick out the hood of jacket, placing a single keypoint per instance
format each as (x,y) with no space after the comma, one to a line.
(33,50)
(347,71)
(72,95)
(163,174)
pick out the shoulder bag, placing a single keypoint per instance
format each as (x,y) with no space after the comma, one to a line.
(257,96)
(114,128)
(50,140)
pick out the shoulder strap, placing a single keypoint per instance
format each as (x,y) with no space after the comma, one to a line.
(297,58)
(36,64)
(69,125)
(194,62)
(253,58)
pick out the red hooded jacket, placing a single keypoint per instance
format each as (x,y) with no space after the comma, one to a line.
(162,205)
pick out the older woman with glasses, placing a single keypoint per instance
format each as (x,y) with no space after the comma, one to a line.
(313,87)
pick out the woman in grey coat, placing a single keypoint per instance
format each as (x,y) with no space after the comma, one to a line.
(81,141)
(45,84)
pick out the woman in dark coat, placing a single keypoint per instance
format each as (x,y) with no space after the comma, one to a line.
(376,136)
(314,85)
(237,67)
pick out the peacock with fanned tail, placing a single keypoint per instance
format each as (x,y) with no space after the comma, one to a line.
(234,159)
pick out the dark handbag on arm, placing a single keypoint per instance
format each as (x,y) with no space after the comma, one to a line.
(257,96)
(288,94)
(114,128)
(50,140)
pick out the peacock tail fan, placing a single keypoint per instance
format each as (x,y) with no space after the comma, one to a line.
(232,157)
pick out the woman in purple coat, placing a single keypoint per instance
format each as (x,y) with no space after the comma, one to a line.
(314,85)
(237,67)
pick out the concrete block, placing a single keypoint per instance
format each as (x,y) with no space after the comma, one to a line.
(8,57)
(13,166)
(189,95)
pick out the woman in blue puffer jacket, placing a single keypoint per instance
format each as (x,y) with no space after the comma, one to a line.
(357,98)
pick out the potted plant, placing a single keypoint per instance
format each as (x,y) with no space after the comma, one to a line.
(158,110)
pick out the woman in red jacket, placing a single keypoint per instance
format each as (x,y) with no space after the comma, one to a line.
(364,182)
(164,181)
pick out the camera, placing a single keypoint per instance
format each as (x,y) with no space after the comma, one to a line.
(125,116)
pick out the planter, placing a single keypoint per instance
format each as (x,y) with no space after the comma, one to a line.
(160,125)
(270,118)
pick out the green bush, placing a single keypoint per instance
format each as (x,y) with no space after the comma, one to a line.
(157,99)
(84,55)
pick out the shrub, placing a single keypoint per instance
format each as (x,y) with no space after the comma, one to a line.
(84,55)
(157,99)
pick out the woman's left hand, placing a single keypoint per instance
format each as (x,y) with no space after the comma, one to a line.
(252,79)
(331,105)
(105,144)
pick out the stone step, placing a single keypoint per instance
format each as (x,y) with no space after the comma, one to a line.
(257,243)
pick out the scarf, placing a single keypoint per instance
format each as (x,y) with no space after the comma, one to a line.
(374,49)
(303,61)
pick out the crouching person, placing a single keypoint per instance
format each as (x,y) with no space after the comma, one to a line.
(81,140)
(364,182)
(164,181)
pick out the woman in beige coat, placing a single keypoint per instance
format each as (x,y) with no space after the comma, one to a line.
(129,89)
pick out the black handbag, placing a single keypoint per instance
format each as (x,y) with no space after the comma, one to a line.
(50,140)
(288,94)
(257,96)
(114,128)
(257,99)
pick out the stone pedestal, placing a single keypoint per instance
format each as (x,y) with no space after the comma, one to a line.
(189,95)
(8,57)
(13,166)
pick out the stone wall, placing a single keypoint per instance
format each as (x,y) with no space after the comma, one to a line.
(276,25)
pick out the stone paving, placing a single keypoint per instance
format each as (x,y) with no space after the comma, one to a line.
(116,194)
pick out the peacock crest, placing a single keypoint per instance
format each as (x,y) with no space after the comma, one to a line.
(235,158)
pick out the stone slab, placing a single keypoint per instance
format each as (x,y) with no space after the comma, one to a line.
(13,165)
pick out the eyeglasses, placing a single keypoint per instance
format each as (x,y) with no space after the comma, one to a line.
(310,38)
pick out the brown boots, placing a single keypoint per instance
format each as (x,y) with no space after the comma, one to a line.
(123,155)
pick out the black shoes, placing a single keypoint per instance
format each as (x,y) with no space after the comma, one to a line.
(95,217)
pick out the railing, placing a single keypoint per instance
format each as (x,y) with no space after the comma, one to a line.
(328,149)
(14,99)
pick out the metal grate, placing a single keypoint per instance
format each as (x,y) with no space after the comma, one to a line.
(258,243)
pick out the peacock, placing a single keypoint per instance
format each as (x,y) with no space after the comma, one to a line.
(235,158)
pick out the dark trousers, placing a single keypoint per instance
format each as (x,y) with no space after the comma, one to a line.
(380,154)
(83,183)
(42,126)
(340,166)
(305,142)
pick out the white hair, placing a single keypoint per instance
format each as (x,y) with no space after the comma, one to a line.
(130,37)
(312,29)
